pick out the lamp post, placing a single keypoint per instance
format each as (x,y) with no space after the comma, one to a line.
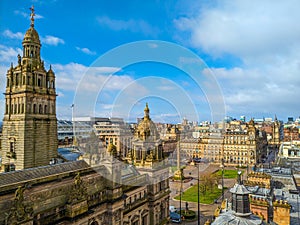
(222,167)
(198,194)
(180,191)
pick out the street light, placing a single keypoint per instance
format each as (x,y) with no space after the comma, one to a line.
(180,191)
(198,195)
(198,200)
(222,167)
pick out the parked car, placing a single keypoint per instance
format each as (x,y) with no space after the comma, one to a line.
(175,217)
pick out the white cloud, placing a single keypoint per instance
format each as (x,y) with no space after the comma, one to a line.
(48,39)
(10,34)
(86,51)
(9,54)
(244,28)
(131,25)
(26,15)
(51,40)
(70,75)
(261,91)
(265,37)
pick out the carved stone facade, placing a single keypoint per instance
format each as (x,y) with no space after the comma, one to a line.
(237,145)
(146,145)
(111,192)
(29,124)
(75,193)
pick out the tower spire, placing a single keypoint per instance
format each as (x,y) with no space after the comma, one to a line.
(146,112)
(32,14)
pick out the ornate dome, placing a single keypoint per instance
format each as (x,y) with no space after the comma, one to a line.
(146,129)
(31,35)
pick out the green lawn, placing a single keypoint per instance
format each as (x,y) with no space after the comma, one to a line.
(190,195)
(228,174)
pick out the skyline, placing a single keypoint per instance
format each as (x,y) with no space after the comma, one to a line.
(250,48)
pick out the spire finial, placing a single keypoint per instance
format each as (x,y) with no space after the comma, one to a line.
(146,110)
(240,177)
(32,14)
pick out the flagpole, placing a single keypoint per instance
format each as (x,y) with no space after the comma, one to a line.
(73,124)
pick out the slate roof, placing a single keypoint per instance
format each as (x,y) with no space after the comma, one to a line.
(229,218)
(22,176)
(239,189)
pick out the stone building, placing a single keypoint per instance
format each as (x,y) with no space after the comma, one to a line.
(291,133)
(146,144)
(281,212)
(240,145)
(244,146)
(110,192)
(260,179)
(75,193)
(29,124)
(117,132)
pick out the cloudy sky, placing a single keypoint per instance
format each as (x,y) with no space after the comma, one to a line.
(250,52)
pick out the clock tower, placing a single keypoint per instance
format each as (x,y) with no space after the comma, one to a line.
(29,124)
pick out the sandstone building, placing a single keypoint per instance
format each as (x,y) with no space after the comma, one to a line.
(29,124)
(111,192)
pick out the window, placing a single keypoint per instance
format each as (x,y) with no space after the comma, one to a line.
(17,79)
(34,108)
(40,109)
(12,146)
(46,109)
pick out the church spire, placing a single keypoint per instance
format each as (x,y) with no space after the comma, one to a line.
(32,14)
(146,112)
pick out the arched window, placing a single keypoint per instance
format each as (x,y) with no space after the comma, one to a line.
(40,109)
(15,109)
(6,109)
(46,109)
(22,108)
(34,108)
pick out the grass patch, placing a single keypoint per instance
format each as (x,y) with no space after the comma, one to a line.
(190,195)
(228,174)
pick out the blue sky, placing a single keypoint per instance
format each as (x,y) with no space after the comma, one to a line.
(250,48)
